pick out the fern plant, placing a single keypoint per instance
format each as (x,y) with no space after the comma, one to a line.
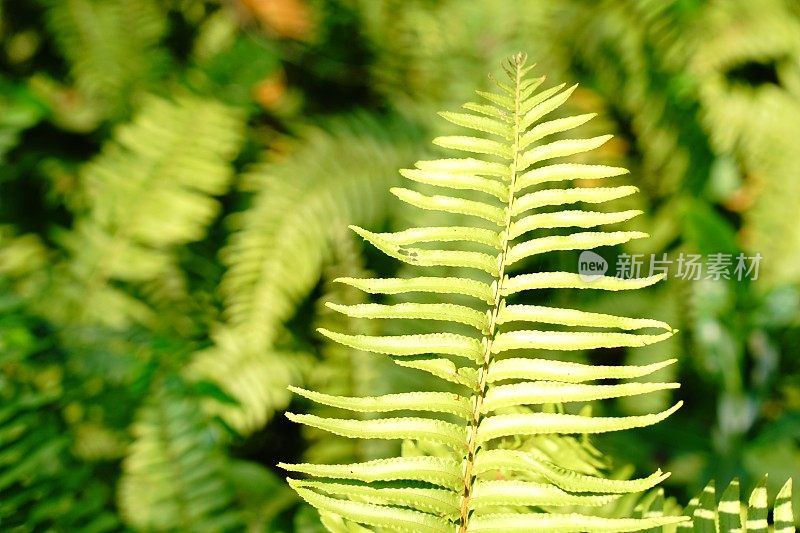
(175,153)
(164,487)
(482,481)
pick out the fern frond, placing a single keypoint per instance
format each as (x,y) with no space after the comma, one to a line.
(110,46)
(174,473)
(255,378)
(481,338)
(151,189)
(730,516)
(755,125)
(280,245)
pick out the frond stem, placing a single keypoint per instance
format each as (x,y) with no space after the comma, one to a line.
(472,434)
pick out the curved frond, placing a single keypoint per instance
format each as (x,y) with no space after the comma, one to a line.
(173,476)
(108,61)
(151,189)
(731,516)
(508,187)
(300,206)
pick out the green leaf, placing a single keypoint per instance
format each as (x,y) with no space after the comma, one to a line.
(503,101)
(474,145)
(439,234)
(570,340)
(337,524)
(441,285)
(452,205)
(496,426)
(439,501)
(442,402)
(404,345)
(553,126)
(757,507)
(566,219)
(491,493)
(568,280)
(377,515)
(465,165)
(560,148)
(565,371)
(688,527)
(705,515)
(444,369)
(651,506)
(551,523)
(568,480)
(574,241)
(445,312)
(530,102)
(487,109)
(541,392)
(435,470)
(573,317)
(424,257)
(589,195)
(458,181)
(565,171)
(527,88)
(541,109)
(388,428)
(479,123)
(730,520)
(784,516)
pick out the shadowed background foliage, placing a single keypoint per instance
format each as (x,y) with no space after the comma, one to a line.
(176,181)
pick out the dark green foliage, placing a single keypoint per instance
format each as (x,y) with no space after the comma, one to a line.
(43,484)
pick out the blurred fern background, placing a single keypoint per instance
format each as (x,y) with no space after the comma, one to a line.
(176,181)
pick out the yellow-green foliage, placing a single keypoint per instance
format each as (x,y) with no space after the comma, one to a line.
(276,254)
(477,482)
(174,475)
(150,190)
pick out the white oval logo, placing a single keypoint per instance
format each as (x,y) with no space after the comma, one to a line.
(591,266)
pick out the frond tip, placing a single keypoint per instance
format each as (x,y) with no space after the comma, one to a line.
(491,348)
